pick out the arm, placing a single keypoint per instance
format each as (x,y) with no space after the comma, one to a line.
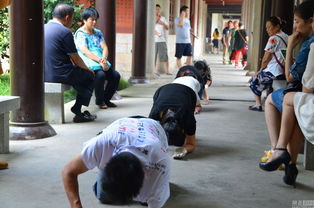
(69,176)
(307,90)
(105,50)
(76,59)
(166,26)
(292,42)
(228,39)
(266,59)
(89,54)
(181,21)
(224,40)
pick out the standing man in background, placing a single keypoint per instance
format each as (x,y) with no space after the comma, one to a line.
(224,39)
(183,40)
(160,39)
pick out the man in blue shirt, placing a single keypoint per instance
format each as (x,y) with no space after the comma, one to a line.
(62,62)
(183,40)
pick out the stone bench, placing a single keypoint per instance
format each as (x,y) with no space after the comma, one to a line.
(54,102)
(308,155)
(277,84)
(7,104)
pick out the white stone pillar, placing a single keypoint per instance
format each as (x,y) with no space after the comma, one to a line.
(255,15)
(150,46)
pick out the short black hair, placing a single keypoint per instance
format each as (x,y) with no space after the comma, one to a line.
(173,130)
(89,12)
(183,8)
(157,5)
(123,177)
(201,65)
(203,68)
(305,10)
(61,10)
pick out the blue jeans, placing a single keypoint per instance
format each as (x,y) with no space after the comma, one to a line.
(98,190)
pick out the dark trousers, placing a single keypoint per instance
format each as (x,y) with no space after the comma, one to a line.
(83,82)
(104,94)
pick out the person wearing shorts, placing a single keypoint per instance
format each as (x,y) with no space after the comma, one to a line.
(160,40)
(183,40)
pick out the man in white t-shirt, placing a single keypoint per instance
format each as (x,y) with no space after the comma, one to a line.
(160,40)
(131,155)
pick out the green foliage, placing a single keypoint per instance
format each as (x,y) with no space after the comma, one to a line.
(4,32)
(4,84)
(123,84)
(49,5)
(69,95)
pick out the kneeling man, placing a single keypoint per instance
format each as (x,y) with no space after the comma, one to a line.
(131,155)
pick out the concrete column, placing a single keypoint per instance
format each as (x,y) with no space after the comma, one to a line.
(150,50)
(139,46)
(26,66)
(255,14)
(165,6)
(107,24)
(176,8)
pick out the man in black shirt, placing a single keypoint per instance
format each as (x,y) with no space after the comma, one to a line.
(62,62)
(174,106)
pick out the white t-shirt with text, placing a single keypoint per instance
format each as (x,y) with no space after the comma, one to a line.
(146,139)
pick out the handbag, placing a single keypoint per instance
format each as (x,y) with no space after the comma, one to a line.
(295,86)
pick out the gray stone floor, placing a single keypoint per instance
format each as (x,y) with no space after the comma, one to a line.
(223,171)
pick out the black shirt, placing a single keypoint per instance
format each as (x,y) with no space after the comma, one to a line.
(239,38)
(180,99)
(59,43)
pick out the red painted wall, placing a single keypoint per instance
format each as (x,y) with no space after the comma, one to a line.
(124,14)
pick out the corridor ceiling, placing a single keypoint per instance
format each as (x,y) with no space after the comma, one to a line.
(224,2)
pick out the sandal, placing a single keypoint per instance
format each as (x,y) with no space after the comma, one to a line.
(284,158)
(267,155)
(256,108)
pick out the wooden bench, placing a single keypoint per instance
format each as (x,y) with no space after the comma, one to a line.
(54,102)
(7,104)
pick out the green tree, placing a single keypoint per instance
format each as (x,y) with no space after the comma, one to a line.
(49,5)
(4,32)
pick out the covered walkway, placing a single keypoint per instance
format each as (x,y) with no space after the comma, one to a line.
(223,172)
